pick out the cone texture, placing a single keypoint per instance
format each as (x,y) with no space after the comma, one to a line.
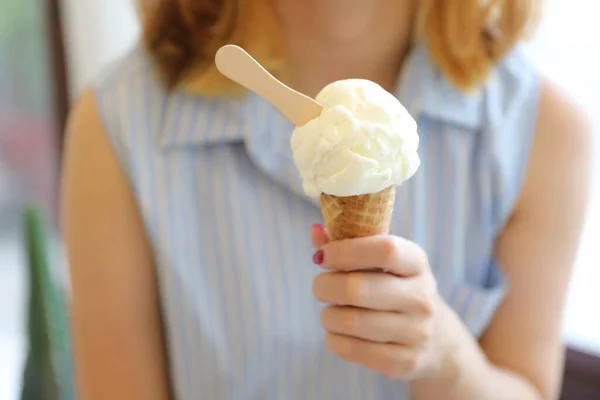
(358,216)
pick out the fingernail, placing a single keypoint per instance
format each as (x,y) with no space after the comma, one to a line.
(318,257)
(318,227)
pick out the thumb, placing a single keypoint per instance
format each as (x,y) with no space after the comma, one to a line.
(319,236)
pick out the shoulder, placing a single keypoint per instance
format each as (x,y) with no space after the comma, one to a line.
(560,166)
(562,122)
(93,134)
(83,118)
(85,133)
(563,135)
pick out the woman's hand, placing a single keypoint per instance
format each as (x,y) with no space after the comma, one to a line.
(388,320)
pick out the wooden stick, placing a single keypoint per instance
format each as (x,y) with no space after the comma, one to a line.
(239,66)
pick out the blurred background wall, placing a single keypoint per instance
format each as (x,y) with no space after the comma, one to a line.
(29,153)
(96,32)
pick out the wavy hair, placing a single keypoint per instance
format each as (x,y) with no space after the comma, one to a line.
(464,37)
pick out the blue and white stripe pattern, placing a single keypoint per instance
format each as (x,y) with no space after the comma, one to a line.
(229,224)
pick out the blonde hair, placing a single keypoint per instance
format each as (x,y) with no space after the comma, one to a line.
(464,37)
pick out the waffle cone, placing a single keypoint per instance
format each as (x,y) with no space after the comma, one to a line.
(358,216)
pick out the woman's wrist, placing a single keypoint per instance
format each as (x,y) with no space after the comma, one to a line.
(457,350)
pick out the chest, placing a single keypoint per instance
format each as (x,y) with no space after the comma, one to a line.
(236,214)
(231,234)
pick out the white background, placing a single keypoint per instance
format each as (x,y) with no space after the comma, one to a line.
(567,47)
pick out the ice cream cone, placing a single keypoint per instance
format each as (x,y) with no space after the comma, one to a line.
(358,216)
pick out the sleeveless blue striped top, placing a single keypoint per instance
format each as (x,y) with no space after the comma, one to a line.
(230,226)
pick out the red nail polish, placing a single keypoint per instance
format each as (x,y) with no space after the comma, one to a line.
(318,257)
(318,227)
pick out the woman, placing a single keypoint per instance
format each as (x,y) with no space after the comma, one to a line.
(190,239)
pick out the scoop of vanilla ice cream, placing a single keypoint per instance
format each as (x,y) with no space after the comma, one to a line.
(363,142)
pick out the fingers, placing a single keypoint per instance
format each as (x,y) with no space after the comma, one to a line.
(377,291)
(319,236)
(393,360)
(391,253)
(381,320)
(377,326)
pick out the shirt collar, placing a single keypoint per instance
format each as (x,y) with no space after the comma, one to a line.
(426,92)
(193,120)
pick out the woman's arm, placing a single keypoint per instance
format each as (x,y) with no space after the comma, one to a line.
(521,353)
(119,351)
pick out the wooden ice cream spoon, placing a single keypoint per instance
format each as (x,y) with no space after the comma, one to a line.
(239,66)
